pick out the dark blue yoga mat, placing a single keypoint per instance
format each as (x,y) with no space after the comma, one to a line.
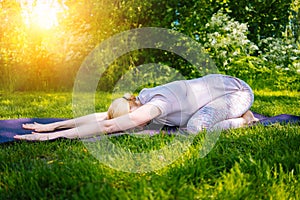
(10,128)
(283,119)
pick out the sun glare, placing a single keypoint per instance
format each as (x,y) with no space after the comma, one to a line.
(41,13)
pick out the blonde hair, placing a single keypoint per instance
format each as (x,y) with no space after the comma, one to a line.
(121,106)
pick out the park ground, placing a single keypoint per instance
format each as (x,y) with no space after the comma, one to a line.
(247,163)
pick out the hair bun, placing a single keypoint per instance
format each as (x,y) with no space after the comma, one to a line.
(129,97)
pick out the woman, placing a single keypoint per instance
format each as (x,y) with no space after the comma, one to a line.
(212,102)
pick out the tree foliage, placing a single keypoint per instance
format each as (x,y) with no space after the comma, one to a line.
(32,58)
(266,18)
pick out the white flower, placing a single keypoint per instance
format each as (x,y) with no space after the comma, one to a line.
(216,34)
(244,27)
(253,47)
(294,58)
(223,54)
(296,51)
(213,41)
(235,53)
(245,42)
(227,28)
(225,63)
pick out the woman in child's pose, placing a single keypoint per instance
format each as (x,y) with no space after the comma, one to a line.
(212,102)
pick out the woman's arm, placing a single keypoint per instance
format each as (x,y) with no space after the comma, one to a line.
(139,116)
(136,118)
(71,123)
(94,127)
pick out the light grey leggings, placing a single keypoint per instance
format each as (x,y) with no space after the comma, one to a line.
(225,111)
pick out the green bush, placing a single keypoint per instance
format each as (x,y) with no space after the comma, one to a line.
(273,63)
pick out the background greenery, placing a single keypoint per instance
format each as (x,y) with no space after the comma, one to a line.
(254,40)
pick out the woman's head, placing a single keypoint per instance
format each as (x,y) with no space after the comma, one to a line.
(122,106)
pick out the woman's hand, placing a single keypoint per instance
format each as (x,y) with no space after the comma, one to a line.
(39,127)
(37,136)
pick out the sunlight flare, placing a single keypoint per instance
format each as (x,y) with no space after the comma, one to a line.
(41,13)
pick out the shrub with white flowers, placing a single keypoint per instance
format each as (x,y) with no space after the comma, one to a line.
(274,61)
(282,53)
(227,40)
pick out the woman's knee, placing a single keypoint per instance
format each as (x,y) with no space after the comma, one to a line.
(203,119)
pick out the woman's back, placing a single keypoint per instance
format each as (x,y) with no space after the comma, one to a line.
(180,99)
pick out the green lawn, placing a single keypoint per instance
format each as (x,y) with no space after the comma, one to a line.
(252,163)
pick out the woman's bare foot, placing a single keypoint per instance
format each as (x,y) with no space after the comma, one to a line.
(39,127)
(249,117)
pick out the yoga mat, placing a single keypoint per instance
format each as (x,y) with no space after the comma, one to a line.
(10,128)
(283,119)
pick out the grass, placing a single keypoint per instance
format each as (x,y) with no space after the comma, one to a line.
(253,163)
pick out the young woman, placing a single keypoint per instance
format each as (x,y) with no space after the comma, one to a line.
(212,102)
